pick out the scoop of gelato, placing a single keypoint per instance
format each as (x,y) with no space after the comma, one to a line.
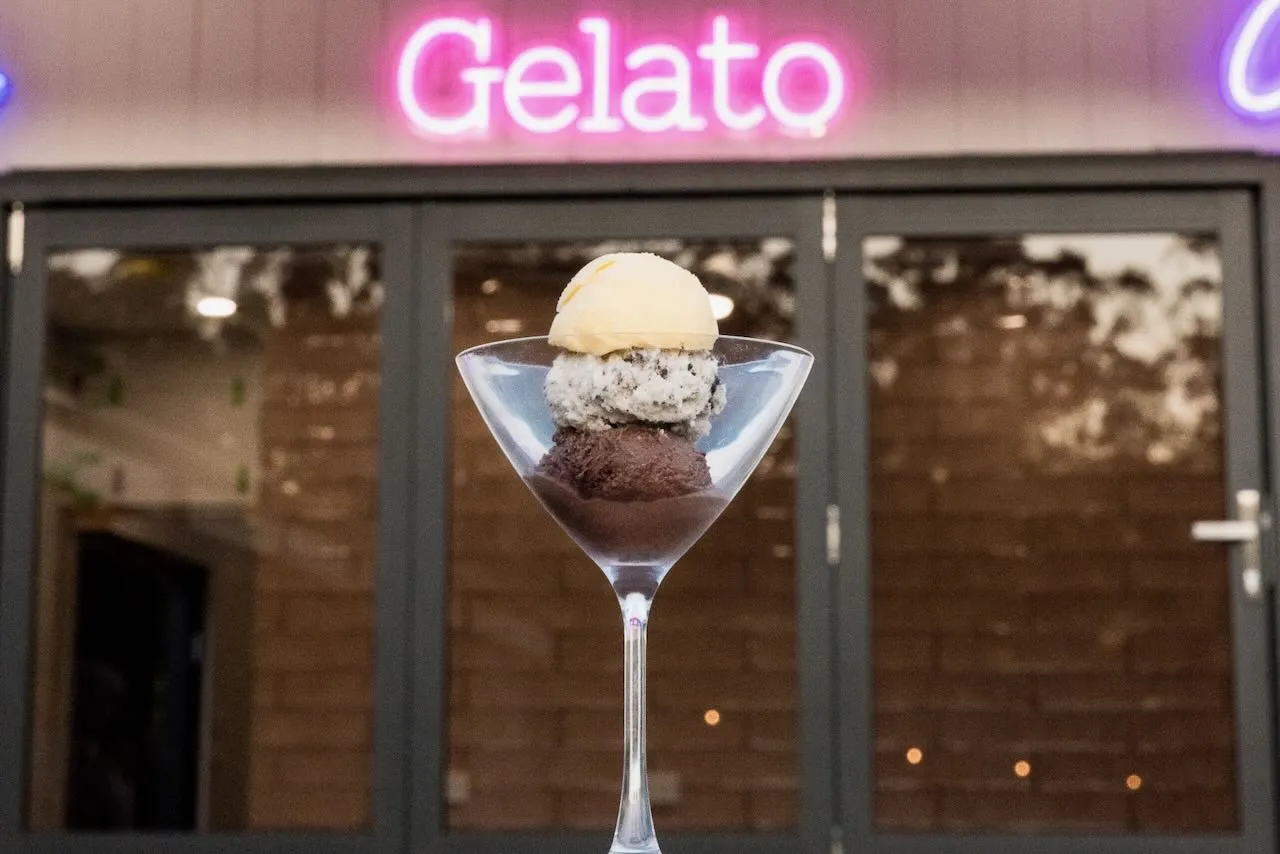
(626,464)
(679,391)
(633,300)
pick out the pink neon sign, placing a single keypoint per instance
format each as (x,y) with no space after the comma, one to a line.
(800,87)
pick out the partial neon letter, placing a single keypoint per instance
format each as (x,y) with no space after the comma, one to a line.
(818,117)
(678,85)
(477,118)
(599,120)
(720,52)
(515,89)
(1242,52)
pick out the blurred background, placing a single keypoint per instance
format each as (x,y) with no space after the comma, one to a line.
(268,581)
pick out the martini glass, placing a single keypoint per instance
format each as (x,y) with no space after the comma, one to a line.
(636,543)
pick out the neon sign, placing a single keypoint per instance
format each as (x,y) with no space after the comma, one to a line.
(6,88)
(800,87)
(1242,56)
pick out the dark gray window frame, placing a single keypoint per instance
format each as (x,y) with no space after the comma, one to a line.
(1229,214)
(1255,174)
(446,224)
(388,226)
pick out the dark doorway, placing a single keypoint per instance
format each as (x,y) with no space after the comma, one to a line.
(136,710)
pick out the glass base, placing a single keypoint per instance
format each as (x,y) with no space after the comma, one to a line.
(619,848)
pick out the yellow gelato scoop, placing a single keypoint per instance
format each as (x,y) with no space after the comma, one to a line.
(628,300)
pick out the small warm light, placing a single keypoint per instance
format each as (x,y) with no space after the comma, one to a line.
(1022,768)
(489,287)
(505,326)
(712,717)
(139,267)
(1133,782)
(915,756)
(215,307)
(721,306)
(1012,321)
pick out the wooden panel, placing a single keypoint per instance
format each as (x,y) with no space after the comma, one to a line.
(99,85)
(1054,69)
(872,123)
(355,79)
(395,140)
(289,83)
(991,50)
(19,50)
(43,81)
(162,83)
(1118,74)
(926,64)
(1188,110)
(225,70)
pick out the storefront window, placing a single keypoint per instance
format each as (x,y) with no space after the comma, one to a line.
(1052,652)
(203,632)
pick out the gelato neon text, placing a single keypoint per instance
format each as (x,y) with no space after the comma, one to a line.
(448,83)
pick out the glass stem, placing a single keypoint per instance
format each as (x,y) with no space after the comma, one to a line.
(634,834)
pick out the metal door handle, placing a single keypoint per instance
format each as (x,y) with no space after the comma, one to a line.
(1246,531)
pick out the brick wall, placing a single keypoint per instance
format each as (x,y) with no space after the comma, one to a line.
(1025,611)
(313,634)
(535,677)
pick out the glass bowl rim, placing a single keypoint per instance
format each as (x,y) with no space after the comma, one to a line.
(533,339)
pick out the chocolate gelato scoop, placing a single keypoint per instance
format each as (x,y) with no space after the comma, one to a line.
(626,464)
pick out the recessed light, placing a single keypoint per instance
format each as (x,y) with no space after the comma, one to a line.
(215,307)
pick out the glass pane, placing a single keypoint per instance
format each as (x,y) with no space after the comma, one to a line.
(204,602)
(1052,652)
(535,679)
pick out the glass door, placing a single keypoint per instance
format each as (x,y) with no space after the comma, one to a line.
(518,718)
(202,595)
(1038,396)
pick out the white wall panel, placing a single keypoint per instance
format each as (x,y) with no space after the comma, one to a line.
(174,82)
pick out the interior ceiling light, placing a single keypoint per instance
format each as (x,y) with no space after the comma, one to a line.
(215,307)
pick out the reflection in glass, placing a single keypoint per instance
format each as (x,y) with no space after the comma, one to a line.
(1051,650)
(203,602)
(535,718)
